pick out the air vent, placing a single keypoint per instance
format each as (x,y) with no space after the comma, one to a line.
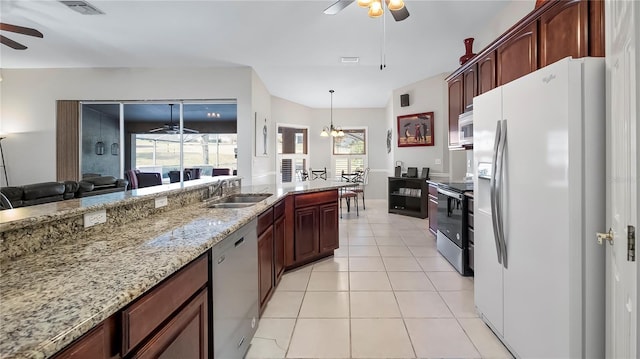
(350,60)
(83,7)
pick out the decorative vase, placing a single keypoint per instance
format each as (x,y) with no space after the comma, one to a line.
(468,45)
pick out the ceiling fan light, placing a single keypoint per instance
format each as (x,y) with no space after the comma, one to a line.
(375,10)
(364,3)
(395,5)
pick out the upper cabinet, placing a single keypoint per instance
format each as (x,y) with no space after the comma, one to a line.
(554,30)
(564,31)
(517,56)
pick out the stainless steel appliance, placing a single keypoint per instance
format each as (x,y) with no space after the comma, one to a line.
(452,239)
(235,292)
(465,128)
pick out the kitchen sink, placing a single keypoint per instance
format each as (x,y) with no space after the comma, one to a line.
(239,200)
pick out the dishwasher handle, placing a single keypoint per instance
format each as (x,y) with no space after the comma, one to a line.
(221,259)
(239,242)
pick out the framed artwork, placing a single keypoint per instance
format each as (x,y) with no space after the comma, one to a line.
(415,130)
(262,134)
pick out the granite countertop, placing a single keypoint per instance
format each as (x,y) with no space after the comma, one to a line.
(49,298)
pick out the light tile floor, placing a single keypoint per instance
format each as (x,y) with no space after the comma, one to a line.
(386,293)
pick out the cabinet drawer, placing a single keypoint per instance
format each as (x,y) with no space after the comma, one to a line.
(471,256)
(470,235)
(470,204)
(470,220)
(433,191)
(265,220)
(309,199)
(278,210)
(143,316)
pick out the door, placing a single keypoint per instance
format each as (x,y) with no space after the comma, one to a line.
(265,264)
(488,271)
(622,58)
(329,235)
(306,232)
(518,55)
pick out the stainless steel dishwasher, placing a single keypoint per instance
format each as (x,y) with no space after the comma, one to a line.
(235,292)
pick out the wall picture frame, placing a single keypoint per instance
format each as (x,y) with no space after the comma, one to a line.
(261,136)
(416,130)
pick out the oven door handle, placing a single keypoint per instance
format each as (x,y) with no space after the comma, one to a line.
(492,186)
(450,193)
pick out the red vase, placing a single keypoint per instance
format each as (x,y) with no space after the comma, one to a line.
(468,45)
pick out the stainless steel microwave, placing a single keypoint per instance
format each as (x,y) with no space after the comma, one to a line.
(465,128)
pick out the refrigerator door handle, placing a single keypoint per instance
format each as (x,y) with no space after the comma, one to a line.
(499,189)
(492,186)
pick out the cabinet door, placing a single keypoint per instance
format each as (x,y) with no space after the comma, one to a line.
(329,233)
(433,215)
(96,344)
(265,263)
(306,233)
(487,73)
(563,31)
(470,83)
(185,336)
(278,248)
(518,55)
(456,107)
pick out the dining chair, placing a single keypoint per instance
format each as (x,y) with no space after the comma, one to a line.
(348,194)
(362,180)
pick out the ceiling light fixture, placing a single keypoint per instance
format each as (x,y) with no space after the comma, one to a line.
(333,131)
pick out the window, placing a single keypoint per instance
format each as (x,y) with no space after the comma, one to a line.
(350,151)
(293,157)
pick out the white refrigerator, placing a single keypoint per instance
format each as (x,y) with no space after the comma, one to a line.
(539,185)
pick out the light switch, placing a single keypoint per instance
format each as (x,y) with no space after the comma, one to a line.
(93,218)
(161,201)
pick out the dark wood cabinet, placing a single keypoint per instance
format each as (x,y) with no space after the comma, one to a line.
(185,336)
(517,56)
(456,107)
(470,84)
(433,209)
(408,196)
(314,229)
(265,264)
(564,32)
(328,230)
(99,343)
(278,247)
(487,72)
(307,233)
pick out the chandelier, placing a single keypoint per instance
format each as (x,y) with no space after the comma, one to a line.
(376,9)
(333,131)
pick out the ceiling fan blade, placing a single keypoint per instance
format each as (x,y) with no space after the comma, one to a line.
(337,6)
(401,14)
(156,130)
(20,30)
(190,130)
(12,44)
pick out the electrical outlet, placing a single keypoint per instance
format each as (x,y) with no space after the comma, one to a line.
(161,201)
(438,161)
(93,218)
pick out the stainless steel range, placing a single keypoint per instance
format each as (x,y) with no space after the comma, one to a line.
(452,239)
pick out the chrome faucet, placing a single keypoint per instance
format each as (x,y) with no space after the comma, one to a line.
(218,187)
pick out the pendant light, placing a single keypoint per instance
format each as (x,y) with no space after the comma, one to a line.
(333,131)
(100,144)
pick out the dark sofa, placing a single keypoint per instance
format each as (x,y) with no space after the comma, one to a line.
(45,192)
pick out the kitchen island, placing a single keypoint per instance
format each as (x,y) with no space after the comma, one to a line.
(52,294)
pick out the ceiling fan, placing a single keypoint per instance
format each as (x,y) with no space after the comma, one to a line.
(396,7)
(18,30)
(172,128)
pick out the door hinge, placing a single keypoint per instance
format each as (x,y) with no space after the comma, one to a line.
(631,243)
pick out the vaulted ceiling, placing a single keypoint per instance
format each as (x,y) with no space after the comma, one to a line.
(294,48)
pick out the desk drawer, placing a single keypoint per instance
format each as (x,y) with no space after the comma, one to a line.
(433,191)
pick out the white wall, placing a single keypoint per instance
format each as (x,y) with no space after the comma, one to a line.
(428,95)
(513,12)
(263,168)
(28,106)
